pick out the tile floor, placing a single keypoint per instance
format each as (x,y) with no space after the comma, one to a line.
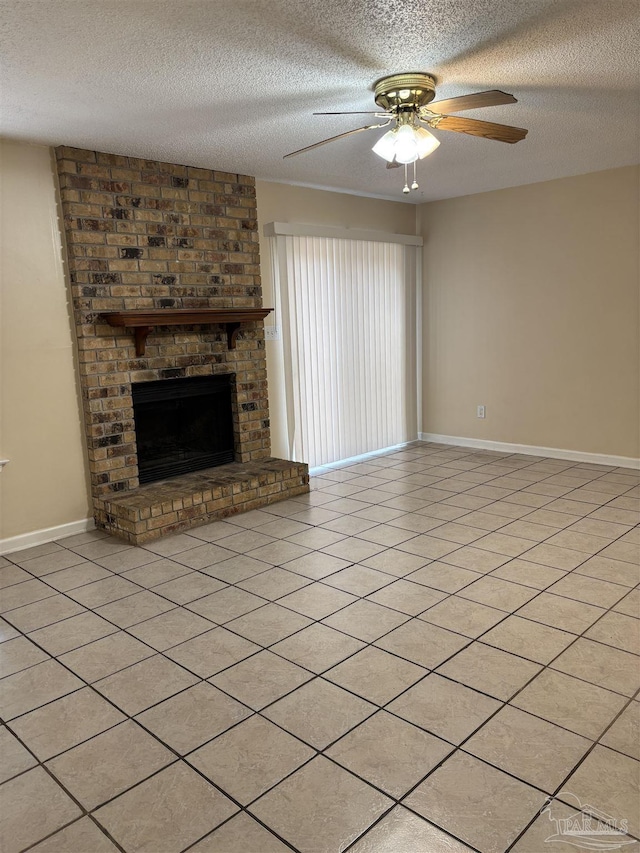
(416,657)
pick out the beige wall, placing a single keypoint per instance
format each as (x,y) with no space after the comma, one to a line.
(44,484)
(531,309)
(283,203)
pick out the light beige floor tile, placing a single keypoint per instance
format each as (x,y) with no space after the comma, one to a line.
(407,597)
(203,556)
(187,588)
(528,574)
(542,835)
(527,529)
(101,547)
(168,546)
(134,608)
(601,665)
(465,617)
(443,577)
(475,559)
(319,712)
(212,652)
(78,837)
(389,753)
(353,550)
(10,574)
(307,809)
(395,562)
(476,802)
(619,797)
(365,620)
(274,583)
(348,525)
(215,530)
(422,643)
(490,670)
(598,527)
(15,757)
(532,749)
(66,722)
(261,679)
(282,528)
(157,572)
(102,592)
(401,830)
(227,604)
(458,532)
(588,590)
(247,540)
(444,707)
(315,537)
(317,600)
(500,543)
(7,632)
(250,758)
(630,604)
(107,765)
(122,561)
(624,734)
(413,522)
(18,654)
(35,686)
(498,593)
(103,657)
(144,684)
(241,834)
(236,569)
(77,576)
(268,624)
(428,546)
(530,640)
(42,613)
(31,807)
(612,571)
(45,565)
(71,633)
(359,580)
(556,557)
(191,718)
(316,565)
(559,612)
(375,675)
(580,707)
(317,647)
(36,551)
(171,628)
(619,630)
(279,552)
(165,813)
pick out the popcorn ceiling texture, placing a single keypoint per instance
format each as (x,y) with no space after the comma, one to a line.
(143,234)
(233,85)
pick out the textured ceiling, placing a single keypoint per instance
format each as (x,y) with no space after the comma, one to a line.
(231,84)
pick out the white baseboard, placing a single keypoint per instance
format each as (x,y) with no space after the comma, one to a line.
(49,534)
(530,450)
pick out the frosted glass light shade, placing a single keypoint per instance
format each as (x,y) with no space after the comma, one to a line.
(406,145)
(426,142)
(385,147)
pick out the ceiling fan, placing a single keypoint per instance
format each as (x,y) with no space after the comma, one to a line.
(406,102)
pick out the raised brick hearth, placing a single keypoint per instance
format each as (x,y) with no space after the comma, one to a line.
(147,235)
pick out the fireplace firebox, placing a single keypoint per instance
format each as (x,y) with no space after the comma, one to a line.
(183,425)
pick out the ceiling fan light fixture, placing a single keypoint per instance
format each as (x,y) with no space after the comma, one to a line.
(385,147)
(426,142)
(406,148)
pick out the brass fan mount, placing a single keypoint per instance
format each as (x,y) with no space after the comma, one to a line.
(404,92)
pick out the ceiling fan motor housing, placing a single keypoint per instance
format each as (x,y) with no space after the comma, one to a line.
(411,91)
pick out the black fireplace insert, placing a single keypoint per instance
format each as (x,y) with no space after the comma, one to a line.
(183,425)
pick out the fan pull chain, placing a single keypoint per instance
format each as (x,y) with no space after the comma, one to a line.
(405,189)
(414,185)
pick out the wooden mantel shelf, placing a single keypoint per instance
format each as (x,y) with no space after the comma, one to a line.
(143,322)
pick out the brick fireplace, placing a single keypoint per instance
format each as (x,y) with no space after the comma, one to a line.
(143,236)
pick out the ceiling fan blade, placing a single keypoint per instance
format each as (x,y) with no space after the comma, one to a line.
(393,165)
(486,129)
(333,138)
(354,113)
(492,98)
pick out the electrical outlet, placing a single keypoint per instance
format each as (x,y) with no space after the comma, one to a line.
(481,412)
(272,333)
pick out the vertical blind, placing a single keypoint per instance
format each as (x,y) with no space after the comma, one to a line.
(348,321)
